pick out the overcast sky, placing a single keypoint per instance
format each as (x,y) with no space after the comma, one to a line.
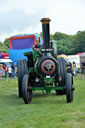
(23,16)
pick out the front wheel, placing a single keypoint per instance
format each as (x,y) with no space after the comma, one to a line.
(26,89)
(69,88)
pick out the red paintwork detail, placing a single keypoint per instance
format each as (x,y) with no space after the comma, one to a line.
(42,66)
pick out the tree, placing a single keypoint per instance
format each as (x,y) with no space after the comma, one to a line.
(41,35)
(3,48)
(6,42)
(65,45)
(59,36)
(4,45)
(79,42)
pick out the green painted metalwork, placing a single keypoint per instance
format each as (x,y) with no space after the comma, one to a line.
(31,70)
(35,66)
(35,54)
(49,81)
(48,88)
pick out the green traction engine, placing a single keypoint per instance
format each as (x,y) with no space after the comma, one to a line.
(43,70)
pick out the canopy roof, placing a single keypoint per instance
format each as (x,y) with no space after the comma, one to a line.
(80,53)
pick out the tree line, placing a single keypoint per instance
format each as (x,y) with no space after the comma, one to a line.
(66,44)
(69,44)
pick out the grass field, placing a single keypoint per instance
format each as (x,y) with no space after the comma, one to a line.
(45,111)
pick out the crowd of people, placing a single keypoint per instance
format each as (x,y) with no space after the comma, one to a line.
(4,71)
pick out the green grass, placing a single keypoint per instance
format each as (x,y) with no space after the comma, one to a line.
(45,111)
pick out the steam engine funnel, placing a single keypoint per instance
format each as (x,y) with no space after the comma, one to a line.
(46,32)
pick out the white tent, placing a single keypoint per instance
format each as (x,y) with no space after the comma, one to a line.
(76,59)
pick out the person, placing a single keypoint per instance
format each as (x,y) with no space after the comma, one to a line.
(13,66)
(1,72)
(69,67)
(6,71)
(74,69)
(37,46)
(83,69)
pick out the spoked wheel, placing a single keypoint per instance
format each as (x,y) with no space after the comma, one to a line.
(26,89)
(69,88)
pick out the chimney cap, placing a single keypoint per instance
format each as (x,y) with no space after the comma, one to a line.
(45,20)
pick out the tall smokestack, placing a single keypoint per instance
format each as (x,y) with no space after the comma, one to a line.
(46,32)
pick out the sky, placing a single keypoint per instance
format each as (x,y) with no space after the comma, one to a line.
(23,16)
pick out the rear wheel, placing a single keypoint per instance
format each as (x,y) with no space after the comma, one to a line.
(62,70)
(26,89)
(22,70)
(69,88)
(62,74)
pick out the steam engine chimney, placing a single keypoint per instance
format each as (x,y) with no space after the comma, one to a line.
(46,32)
